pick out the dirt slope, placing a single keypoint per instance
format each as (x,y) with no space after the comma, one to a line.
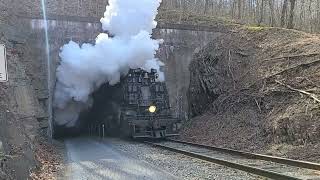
(258,89)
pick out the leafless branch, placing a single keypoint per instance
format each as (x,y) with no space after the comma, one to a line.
(313,96)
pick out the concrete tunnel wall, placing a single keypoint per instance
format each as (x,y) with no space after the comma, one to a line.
(60,32)
(176,52)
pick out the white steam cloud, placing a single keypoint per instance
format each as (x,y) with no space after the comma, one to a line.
(85,67)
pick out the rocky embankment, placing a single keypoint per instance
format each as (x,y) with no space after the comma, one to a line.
(258,89)
(24,150)
(17,125)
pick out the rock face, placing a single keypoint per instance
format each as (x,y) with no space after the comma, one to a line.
(19,108)
(60,32)
(23,103)
(256,88)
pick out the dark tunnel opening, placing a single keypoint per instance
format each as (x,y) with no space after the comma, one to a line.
(103,114)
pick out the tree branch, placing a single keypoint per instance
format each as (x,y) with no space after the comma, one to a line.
(313,96)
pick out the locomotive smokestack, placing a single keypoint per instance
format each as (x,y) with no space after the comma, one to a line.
(84,68)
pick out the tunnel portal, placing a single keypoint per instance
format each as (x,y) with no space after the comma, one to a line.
(103,114)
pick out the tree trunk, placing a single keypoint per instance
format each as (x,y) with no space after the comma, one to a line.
(291,18)
(261,12)
(233,9)
(302,16)
(239,9)
(206,7)
(318,15)
(283,12)
(271,5)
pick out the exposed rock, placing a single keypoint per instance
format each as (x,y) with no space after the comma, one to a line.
(23,103)
(18,125)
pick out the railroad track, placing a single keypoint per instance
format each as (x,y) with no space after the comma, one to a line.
(262,165)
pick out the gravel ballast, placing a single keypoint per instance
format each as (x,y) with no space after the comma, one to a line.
(179,165)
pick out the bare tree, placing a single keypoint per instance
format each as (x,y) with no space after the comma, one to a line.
(318,14)
(292,6)
(302,15)
(239,9)
(206,7)
(271,6)
(261,12)
(284,12)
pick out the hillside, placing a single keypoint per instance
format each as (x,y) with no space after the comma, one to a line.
(257,89)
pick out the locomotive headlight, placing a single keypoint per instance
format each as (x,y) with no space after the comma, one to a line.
(152,109)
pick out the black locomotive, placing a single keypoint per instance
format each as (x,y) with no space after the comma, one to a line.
(137,107)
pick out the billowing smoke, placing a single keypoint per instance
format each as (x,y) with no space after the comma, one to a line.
(85,67)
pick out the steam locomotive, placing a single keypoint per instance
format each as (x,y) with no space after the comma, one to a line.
(137,107)
(145,111)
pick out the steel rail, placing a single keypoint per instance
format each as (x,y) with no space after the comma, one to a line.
(249,169)
(285,161)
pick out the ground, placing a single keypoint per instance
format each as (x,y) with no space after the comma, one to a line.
(114,158)
(51,157)
(90,158)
